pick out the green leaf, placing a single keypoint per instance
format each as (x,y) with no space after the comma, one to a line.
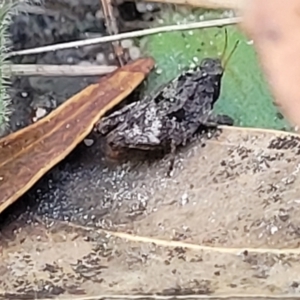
(245,95)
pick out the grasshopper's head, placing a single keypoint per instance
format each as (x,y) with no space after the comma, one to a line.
(212,67)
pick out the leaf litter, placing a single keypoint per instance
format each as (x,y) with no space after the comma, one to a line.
(237,194)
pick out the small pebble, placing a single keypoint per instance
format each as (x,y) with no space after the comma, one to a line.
(85,63)
(88,142)
(151,7)
(111,57)
(274,229)
(70,60)
(39,113)
(47,32)
(99,14)
(89,16)
(184,199)
(134,53)
(141,7)
(24,94)
(101,59)
(127,43)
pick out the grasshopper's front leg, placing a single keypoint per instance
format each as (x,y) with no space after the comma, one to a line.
(222,119)
(212,120)
(107,124)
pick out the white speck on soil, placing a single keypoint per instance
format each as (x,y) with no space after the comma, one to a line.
(39,113)
(273,229)
(184,199)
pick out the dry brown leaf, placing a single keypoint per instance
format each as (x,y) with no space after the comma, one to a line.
(26,155)
(225,195)
(274,25)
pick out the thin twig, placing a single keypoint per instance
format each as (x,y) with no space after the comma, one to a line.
(212,4)
(186,245)
(56,70)
(261,130)
(112,29)
(127,35)
(170,297)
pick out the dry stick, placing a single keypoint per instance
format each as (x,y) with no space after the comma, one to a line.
(112,28)
(127,35)
(261,130)
(56,70)
(187,245)
(213,4)
(230,296)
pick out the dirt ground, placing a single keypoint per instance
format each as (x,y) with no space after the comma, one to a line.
(226,224)
(237,201)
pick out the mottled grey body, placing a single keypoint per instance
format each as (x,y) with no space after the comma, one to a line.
(172,116)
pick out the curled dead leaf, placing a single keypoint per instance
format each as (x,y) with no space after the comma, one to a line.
(26,155)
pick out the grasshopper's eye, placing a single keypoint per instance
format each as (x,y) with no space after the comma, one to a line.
(207,64)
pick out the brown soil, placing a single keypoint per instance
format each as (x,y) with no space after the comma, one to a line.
(240,191)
